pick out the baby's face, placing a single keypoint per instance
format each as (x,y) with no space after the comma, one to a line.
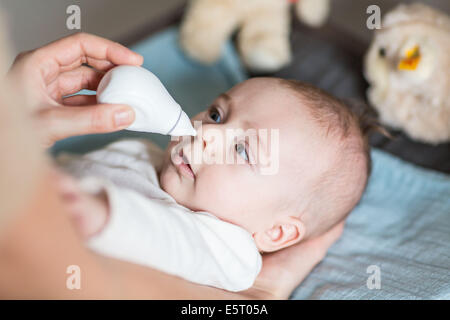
(242,192)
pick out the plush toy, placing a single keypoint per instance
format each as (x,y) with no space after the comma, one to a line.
(408,69)
(263,39)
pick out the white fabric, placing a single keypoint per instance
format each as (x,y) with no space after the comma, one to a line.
(146,226)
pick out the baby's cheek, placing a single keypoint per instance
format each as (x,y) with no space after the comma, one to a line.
(222,192)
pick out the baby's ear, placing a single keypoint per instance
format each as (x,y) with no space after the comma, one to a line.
(285,232)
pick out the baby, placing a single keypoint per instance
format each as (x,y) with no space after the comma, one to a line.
(208,221)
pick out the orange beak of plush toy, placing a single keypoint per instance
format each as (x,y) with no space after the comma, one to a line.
(411,60)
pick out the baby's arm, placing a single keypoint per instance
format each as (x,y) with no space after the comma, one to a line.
(194,246)
(88,211)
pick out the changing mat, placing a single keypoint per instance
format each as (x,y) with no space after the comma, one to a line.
(401,227)
(399,233)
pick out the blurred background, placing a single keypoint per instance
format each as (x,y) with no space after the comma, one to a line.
(35,22)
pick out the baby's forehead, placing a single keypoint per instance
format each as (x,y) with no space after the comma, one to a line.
(267,104)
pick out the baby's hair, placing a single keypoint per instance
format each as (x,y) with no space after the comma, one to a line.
(350,122)
(367,123)
(338,116)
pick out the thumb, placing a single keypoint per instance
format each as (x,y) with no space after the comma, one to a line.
(63,122)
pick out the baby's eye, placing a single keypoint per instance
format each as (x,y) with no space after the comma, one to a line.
(240,149)
(214,115)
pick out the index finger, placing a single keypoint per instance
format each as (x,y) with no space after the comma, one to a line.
(71,52)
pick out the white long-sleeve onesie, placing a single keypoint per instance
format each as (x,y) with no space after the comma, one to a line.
(146,225)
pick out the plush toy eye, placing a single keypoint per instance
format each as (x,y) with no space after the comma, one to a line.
(382,52)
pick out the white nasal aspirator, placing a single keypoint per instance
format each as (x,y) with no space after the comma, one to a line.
(156,111)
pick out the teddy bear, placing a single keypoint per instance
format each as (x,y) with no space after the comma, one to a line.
(407,67)
(264,25)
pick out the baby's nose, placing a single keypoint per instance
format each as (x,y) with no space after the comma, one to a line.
(200,138)
(204,144)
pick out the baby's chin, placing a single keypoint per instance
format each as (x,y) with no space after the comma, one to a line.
(167,178)
(166,175)
(170,182)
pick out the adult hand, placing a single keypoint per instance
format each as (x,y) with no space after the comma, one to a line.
(284,270)
(46,75)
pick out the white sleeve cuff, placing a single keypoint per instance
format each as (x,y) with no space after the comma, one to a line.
(117,220)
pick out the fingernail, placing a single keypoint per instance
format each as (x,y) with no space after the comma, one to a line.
(140,57)
(123,118)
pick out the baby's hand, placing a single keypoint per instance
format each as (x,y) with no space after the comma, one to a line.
(88,212)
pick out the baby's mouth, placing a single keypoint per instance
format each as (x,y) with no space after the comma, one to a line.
(184,166)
